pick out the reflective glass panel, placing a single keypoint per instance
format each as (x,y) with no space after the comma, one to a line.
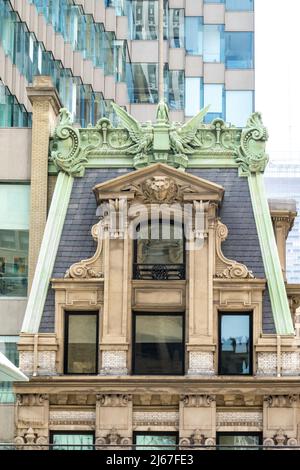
(239,106)
(155,441)
(213,43)
(81,343)
(158,344)
(8,347)
(239,5)
(143,19)
(176,27)
(214,98)
(72,441)
(240,440)
(193,95)
(14,235)
(194,35)
(145,83)
(176,89)
(235,345)
(239,51)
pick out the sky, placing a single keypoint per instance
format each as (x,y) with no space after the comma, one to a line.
(277,63)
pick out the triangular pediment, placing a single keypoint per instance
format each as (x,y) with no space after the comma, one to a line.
(161,183)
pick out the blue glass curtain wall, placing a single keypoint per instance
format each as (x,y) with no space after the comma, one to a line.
(12,113)
(84,34)
(31,58)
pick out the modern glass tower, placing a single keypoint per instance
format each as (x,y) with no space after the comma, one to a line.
(99,51)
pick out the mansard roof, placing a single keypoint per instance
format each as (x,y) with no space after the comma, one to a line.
(215,157)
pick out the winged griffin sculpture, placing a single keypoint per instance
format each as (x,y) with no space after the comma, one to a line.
(142,137)
(183,139)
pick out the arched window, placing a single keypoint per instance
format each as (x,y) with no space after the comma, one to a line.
(159,251)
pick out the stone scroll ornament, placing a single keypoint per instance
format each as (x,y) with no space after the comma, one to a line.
(65,152)
(92,267)
(251,156)
(227,268)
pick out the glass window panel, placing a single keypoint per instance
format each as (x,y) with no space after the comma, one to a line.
(143,19)
(155,441)
(14,235)
(213,43)
(145,83)
(239,5)
(160,244)
(235,344)
(158,344)
(72,441)
(193,95)
(176,27)
(239,106)
(8,347)
(239,50)
(213,96)
(81,343)
(240,440)
(214,1)
(176,89)
(194,35)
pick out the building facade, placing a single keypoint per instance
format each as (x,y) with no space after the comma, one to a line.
(96,53)
(282,181)
(136,339)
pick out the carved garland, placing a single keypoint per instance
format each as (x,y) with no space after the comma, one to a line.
(227,268)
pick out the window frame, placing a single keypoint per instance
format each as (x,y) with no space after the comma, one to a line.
(61,432)
(135,251)
(67,314)
(133,361)
(238,433)
(154,433)
(250,314)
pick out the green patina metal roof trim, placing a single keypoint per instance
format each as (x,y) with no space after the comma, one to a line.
(193,144)
(48,251)
(279,301)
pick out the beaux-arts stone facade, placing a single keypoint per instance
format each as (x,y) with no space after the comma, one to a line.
(232,265)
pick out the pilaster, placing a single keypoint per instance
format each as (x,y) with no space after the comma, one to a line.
(45,106)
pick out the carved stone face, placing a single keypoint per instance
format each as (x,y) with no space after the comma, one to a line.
(161,188)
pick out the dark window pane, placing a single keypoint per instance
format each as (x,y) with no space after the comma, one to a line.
(72,441)
(160,244)
(235,345)
(155,441)
(158,344)
(238,441)
(81,344)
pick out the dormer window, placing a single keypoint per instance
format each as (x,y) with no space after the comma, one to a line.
(159,252)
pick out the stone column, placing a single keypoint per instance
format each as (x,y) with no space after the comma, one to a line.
(45,106)
(197,420)
(113,421)
(280,420)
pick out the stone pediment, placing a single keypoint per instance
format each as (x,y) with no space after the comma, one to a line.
(159,183)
